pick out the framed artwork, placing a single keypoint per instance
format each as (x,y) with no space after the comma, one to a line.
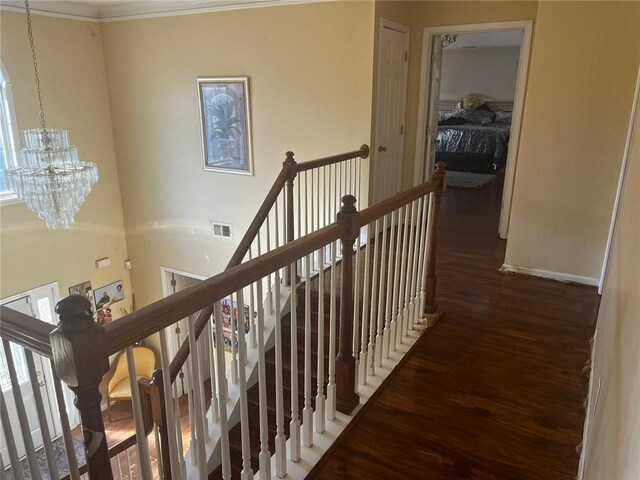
(227,309)
(226,124)
(85,290)
(105,297)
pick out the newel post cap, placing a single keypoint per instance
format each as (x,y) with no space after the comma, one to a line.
(78,343)
(349,215)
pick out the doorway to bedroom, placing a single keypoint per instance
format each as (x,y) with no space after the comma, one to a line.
(472,93)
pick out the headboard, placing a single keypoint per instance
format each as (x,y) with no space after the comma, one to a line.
(450,105)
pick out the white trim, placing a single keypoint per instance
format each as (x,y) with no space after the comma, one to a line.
(633,121)
(518,103)
(140,9)
(8,112)
(559,276)
(164,271)
(384,23)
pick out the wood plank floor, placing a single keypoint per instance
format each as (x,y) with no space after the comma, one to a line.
(495,390)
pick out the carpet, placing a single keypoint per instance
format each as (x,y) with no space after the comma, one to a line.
(61,460)
(469,180)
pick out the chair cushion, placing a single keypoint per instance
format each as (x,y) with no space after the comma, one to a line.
(122,390)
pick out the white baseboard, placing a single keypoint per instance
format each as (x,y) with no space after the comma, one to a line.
(560,277)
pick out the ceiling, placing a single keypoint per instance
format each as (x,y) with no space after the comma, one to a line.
(487,40)
(109,10)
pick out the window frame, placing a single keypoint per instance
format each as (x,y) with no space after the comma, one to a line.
(9,128)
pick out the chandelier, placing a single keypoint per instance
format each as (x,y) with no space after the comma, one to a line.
(49,177)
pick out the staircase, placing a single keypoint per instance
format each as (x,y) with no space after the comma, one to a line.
(253,396)
(368,281)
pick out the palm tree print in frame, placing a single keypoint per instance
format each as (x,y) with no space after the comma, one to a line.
(226,131)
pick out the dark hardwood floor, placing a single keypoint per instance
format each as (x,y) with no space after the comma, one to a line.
(495,390)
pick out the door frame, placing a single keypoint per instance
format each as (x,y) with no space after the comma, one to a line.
(51,404)
(518,103)
(624,168)
(384,23)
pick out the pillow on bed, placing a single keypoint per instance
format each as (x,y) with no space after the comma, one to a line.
(478,117)
(503,117)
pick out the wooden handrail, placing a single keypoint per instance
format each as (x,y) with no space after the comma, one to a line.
(289,171)
(167,311)
(136,326)
(25,330)
(391,204)
(362,152)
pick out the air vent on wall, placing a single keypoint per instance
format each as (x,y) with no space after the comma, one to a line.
(222,230)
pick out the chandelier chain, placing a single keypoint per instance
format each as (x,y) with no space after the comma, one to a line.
(35,65)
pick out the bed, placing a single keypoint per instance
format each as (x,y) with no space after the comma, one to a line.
(474,140)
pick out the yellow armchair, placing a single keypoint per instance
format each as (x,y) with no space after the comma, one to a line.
(119,386)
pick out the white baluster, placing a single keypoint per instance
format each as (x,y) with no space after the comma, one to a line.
(410,264)
(386,339)
(381,299)
(414,269)
(374,341)
(156,436)
(215,413)
(176,466)
(265,456)
(198,405)
(331,386)
(247,472)
(318,225)
(42,417)
(66,430)
(192,428)
(280,440)
(320,399)
(252,319)
(234,348)
(16,467)
(356,313)
(178,432)
(429,227)
(203,357)
(393,340)
(268,249)
(307,412)
(420,260)
(222,393)
(23,420)
(295,439)
(142,444)
(364,348)
(405,245)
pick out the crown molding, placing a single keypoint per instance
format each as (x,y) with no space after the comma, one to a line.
(138,9)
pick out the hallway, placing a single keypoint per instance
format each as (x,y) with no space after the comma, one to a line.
(495,390)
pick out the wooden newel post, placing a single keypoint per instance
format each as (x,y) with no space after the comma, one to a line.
(346,397)
(80,358)
(159,415)
(430,305)
(290,164)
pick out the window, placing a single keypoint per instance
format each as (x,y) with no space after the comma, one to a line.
(7,133)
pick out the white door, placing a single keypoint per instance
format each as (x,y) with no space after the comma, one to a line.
(433,107)
(38,303)
(391,107)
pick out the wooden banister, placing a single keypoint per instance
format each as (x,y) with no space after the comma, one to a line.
(167,311)
(25,330)
(362,152)
(430,305)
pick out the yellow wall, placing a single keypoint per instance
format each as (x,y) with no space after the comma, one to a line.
(578,94)
(613,436)
(310,69)
(578,101)
(76,98)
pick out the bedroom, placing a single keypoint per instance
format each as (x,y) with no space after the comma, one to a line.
(474,78)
